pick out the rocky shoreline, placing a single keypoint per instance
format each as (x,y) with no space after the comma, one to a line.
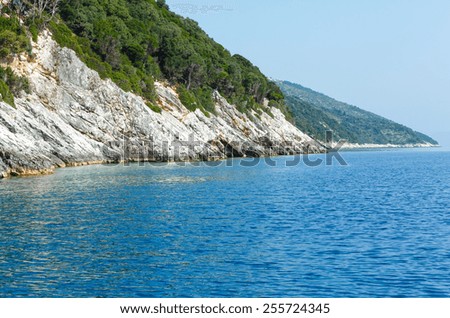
(350,146)
(73,117)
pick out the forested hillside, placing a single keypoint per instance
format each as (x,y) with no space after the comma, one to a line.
(314,113)
(134,42)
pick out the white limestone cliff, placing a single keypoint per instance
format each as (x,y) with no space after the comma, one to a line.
(73,117)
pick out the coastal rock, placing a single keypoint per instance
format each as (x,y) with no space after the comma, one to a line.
(73,117)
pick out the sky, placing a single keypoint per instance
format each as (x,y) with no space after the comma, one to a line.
(391,57)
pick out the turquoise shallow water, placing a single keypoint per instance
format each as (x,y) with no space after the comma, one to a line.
(379,227)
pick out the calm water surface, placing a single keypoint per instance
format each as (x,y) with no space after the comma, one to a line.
(379,227)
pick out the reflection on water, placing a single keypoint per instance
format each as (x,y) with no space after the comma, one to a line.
(378,227)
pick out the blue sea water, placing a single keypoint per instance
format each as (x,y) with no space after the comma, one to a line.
(378,227)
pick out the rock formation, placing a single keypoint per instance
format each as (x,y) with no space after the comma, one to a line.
(73,117)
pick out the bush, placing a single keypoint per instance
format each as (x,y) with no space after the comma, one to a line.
(13,38)
(147,85)
(64,36)
(122,80)
(5,94)
(104,69)
(187,98)
(155,108)
(205,100)
(34,30)
(16,83)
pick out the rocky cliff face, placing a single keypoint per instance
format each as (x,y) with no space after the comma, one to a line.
(73,117)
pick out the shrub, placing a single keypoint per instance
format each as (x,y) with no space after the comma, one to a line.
(187,98)
(11,85)
(155,108)
(34,31)
(13,39)
(5,94)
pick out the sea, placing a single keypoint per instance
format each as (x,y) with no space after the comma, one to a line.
(371,224)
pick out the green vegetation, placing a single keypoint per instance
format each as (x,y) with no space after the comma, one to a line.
(134,42)
(315,113)
(155,108)
(5,94)
(10,85)
(13,37)
(196,98)
(127,77)
(13,40)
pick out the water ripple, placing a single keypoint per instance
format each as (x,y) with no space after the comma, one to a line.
(379,227)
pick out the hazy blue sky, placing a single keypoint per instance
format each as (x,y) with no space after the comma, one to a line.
(391,57)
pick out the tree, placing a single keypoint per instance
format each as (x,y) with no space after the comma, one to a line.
(194,73)
(20,6)
(162,4)
(111,34)
(39,7)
